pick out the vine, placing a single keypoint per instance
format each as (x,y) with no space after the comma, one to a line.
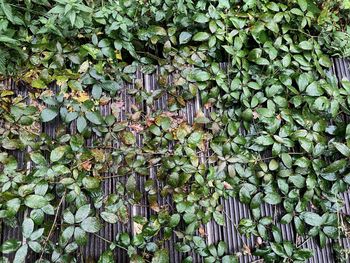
(271,129)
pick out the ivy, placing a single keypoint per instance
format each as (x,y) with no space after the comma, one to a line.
(270,130)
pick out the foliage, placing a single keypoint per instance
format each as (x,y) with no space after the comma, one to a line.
(275,97)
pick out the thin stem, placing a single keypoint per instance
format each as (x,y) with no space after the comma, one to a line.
(53,225)
(302,243)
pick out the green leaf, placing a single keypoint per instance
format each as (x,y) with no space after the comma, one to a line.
(273,198)
(201,36)
(306,45)
(58,153)
(312,219)
(184,37)
(303,5)
(109,217)
(335,166)
(107,257)
(219,218)
(314,90)
(37,158)
(131,184)
(6,8)
(35,201)
(10,246)
(331,231)
(81,124)
(199,242)
(128,137)
(325,61)
(303,81)
(90,182)
(48,114)
(155,130)
(229,259)
(161,256)
(20,256)
(287,218)
(287,160)
(91,225)
(82,213)
(96,92)
(94,117)
(278,249)
(222,248)
(342,148)
(80,236)
(27,227)
(38,84)
(201,75)
(303,254)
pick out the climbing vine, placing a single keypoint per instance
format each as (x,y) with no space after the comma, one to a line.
(272,128)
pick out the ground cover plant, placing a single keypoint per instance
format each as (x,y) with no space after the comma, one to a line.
(274,97)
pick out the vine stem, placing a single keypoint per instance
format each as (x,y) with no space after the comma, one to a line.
(302,243)
(53,225)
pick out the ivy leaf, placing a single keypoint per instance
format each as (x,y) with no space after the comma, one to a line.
(91,225)
(82,213)
(128,138)
(311,218)
(107,257)
(90,182)
(58,153)
(184,37)
(10,246)
(303,5)
(35,201)
(273,198)
(201,75)
(335,166)
(48,114)
(94,117)
(109,217)
(306,45)
(219,218)
(278,249)
(201,36)
(27,227)
(155,130)
(131,184)
(161,256)
(21,254)
(229,259)
(80,236)
(325,61)
(342,148)
(81,124)
(6,8)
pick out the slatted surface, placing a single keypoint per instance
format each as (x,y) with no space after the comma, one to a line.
(233,209)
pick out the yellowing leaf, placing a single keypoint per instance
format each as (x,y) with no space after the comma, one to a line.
(81,97)
(118,55)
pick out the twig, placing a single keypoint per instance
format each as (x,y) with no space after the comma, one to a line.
(303,242)
(53,225)
(240,236)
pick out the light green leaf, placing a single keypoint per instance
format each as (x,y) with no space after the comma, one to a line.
(184,37)
(48,114)
(82,213)
(58,153)
(91,225)
(201,36)
(35,201)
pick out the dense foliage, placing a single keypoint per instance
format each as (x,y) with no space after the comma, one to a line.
(272,124)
